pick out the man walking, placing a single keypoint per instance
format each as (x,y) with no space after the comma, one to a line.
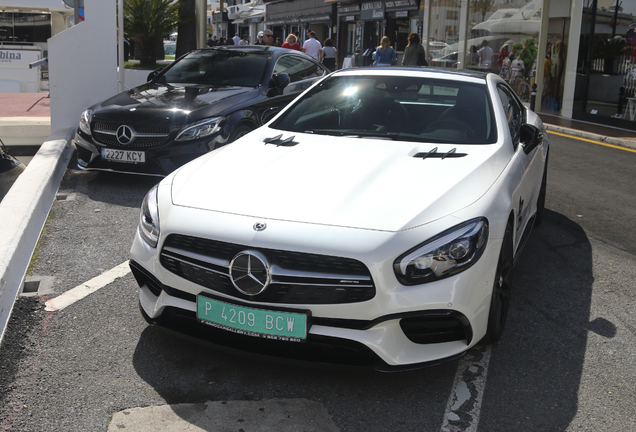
(268,37)
(485,56)
(312,47)
(236,38)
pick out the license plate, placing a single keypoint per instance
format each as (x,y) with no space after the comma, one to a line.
(126,156)
(275,325)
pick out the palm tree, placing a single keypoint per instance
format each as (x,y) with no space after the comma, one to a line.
(145,21)
(483,6)
(187,40)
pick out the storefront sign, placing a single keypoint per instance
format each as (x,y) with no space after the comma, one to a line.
(372,10)
(282,21)
(392,5)
(316,18)
(402,14)
(350,18)
(348,9)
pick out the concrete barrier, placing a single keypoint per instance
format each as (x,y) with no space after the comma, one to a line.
(23,213)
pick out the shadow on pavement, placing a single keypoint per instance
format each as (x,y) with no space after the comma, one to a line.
(535,372)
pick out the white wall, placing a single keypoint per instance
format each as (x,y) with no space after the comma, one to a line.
(83,64)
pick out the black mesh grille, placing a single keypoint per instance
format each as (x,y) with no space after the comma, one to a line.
(152,128)
(138,142)
(297,289)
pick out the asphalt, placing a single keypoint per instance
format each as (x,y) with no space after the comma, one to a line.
(20,109)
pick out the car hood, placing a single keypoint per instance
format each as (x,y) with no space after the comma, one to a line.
(349,182)
(177,104)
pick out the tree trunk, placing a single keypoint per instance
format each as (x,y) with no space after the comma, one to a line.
(146,50)
(187,38)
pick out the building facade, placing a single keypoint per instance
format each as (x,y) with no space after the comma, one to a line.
(579,55)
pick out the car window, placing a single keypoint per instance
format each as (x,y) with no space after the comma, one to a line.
(399,108)
(298,68)
(514,111)
(218,68)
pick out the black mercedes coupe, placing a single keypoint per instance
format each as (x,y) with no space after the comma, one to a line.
(204,100)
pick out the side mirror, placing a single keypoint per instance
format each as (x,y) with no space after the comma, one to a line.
(531,137)
(278,83)
(152,75)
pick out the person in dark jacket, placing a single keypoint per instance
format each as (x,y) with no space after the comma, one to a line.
(414,53)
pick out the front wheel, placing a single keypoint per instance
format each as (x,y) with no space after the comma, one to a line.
(240,131)
(500,300)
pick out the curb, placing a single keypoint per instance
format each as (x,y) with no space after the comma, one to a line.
(622,142)
(23,213)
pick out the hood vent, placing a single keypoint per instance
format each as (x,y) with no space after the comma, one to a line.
(434,154)
(277,141)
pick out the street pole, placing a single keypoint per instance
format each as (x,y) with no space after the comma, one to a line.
(120,45)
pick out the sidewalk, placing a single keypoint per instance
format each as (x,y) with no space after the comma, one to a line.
(25,121)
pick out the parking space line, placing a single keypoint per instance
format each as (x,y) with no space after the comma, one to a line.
(594,141)
(81,291)
(464,404)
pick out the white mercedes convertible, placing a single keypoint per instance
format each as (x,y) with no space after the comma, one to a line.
(375,221)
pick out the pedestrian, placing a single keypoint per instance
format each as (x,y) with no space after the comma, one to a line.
(384,55)
(485,56)
(414,53)
(221,42)
(278,44)
(312,47)
(291,42)
(268,37)
(329,58)
(259,38)
(244,40)
(211,41)
(236,39)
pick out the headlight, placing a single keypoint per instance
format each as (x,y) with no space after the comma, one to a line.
(85,121)
(200,129)
(446,254)
(149,218)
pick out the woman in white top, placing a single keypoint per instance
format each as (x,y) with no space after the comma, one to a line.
(329,55)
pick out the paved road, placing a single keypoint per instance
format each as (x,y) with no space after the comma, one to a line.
(565,361)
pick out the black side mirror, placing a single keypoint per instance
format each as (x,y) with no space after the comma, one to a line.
(531,137)
(278,83)
(152,75)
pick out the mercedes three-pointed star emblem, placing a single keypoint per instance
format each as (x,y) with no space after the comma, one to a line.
(125,134)
(249,272)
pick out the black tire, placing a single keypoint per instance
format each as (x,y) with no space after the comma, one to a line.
(541,200)
(502,286)
(239,131)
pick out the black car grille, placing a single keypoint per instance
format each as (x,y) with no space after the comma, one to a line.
(297,278)
(104,133)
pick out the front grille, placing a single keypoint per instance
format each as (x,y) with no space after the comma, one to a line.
(297,278)
(104,133)
(151,128)
(139,142)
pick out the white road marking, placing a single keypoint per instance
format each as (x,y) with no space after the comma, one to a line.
(81,291)
(464,404)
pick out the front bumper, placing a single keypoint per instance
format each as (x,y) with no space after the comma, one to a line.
(398,328)
(160,161)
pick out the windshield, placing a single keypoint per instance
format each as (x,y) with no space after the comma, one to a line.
(218,68)
(397,108)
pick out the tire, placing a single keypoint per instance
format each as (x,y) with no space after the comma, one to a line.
(239,131)
(502,286)
(541,200)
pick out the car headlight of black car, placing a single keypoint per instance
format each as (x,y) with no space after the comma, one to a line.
(149,218)
(200,129)
(444,255)
(85,121)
